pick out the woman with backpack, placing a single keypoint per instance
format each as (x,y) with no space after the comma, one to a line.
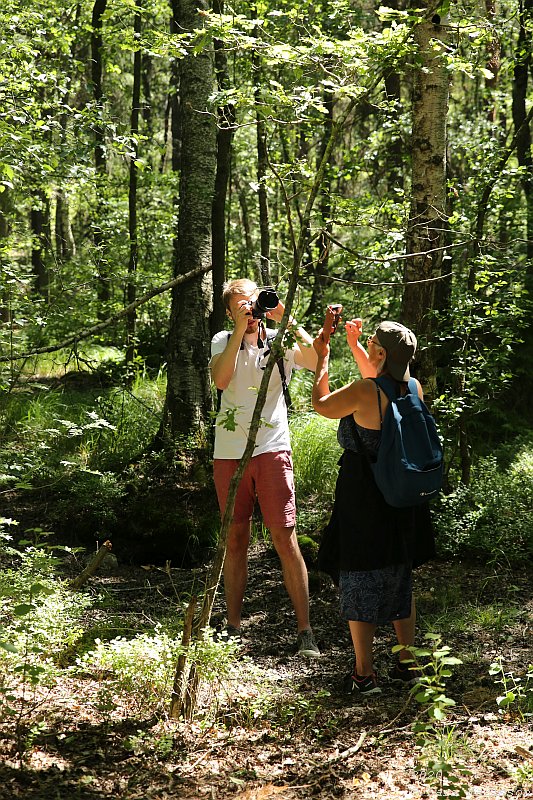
(377,544)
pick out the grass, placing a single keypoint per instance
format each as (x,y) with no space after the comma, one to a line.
(315,453)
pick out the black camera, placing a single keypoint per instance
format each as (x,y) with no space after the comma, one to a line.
(266,300)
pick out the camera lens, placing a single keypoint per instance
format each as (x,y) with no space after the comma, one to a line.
(267,300)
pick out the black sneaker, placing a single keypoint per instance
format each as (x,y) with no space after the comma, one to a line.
(362,684)
(406,673)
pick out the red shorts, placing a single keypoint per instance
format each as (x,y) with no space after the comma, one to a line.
(270,478)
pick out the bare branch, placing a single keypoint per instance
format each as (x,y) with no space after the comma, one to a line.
(85,334)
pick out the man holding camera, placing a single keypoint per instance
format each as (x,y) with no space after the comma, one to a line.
(237,362)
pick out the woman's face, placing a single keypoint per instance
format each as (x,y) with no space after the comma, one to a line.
(376,353)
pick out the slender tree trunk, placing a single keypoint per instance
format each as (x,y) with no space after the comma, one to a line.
(40,248)
(493,65)
(65,243)
(262,163)
(320,268)
(242,197)
(146,80)
(174,96)
(225,134)
(395,148)
(522,67)
(131,324)
(427,219)
(64,237)
(100,160)
(188,398)
(5,211)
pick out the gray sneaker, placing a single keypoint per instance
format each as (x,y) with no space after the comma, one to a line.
(229,634)
(306,645)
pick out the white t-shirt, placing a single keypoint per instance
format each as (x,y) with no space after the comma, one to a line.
(241,394)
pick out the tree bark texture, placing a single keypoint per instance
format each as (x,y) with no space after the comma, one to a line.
(427,219)
(319,270)
(225,134)
(65,242)
(262,165)
(5,212)
(100,160)
(521,71)
(188,399)
(131,319)
(174,94)
(40,247)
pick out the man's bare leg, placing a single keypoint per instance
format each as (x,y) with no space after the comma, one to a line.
(294,573)
(236,570)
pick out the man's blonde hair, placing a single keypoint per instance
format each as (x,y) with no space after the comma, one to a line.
(240,287)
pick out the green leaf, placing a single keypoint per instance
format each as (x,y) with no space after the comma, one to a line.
(23,609)
(9,647)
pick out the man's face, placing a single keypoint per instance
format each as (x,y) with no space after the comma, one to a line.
(243,301)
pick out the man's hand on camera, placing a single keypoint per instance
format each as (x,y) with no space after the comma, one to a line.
(242,317)
(277,313)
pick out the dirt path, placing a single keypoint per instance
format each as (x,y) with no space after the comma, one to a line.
(281,726)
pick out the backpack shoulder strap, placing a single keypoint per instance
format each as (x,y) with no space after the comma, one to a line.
(387,386)
(412,387)
(219,391)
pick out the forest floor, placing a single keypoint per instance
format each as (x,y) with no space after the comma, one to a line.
(280,726)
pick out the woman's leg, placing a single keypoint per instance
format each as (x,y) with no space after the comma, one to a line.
(405,631)
(363,640)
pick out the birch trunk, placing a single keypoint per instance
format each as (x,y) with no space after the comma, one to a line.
(428,219)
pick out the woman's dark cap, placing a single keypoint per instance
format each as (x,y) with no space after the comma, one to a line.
(400,345)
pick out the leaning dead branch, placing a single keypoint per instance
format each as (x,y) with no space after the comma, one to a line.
(92,567)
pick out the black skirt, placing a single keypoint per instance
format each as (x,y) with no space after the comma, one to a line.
(364,532)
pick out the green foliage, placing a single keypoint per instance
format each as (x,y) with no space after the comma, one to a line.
(40,616)
(517,697)
(436,738)
(490,518)
(142,667)
(39,619)
(315,454)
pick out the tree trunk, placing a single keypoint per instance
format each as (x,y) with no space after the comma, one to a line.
(395,148)
(320,268)
(427,219)
(225,133)
(522,66)
(174,95)
(65,243)
(188,398)
(146,79)
(262,164)
(100,161)
(64,238)
(40,246)
(5,211)
(131,291)
(493,65)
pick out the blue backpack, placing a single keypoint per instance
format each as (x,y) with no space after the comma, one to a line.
(409,465)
